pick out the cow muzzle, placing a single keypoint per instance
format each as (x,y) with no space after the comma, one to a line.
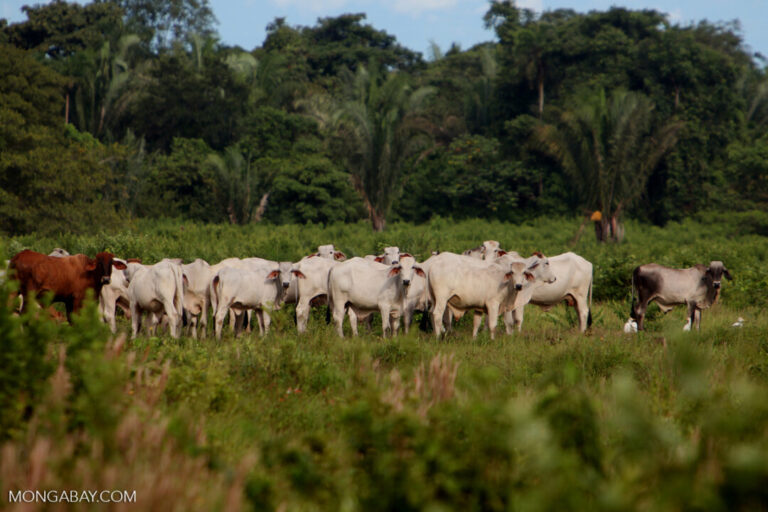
(518,287)
(406,282)
(106,280)
(286,285)
(716,284)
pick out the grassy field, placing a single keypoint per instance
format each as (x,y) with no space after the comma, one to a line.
(545,420)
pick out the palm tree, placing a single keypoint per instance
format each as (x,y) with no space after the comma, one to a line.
(238,186)
(608,147)
(105,88)
(378,126)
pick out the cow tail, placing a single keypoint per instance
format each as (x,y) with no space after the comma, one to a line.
(215,294)
(634,299)
(178,298)
(589,307)
(330,298)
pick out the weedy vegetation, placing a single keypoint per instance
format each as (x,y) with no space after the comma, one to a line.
(547,419)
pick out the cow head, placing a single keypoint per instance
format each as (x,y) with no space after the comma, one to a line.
(286,274)
(328,251)
(517,275)
(59,253)
(539,268)
(391,255)
(101,267)
(715,273)
(406,268)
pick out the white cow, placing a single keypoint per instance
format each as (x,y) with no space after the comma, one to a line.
(364,286)
(113,295)
(156,289)
(490,250)
(573,284)
(244,289)
(329,252)
(417,298)
(311,286)
(198,276)
(461,283)
(59,253)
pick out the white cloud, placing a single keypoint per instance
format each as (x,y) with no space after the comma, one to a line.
(416,7)
(311,5)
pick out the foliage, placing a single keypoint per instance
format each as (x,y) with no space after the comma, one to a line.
(137,75)
(469,176)
(377,128)
(51,179)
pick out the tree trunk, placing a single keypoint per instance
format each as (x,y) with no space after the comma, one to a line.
(66,111)
(541,93)
(378,221)
(262,207)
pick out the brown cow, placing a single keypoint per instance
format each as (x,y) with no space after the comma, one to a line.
(68,278)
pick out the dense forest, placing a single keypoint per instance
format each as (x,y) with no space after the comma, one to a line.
(122,109)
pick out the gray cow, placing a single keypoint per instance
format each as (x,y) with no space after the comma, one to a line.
(697,287)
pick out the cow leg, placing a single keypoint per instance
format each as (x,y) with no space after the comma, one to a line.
(240,316)
(385,320)
(260,319)
(640,308)
(204,318)
(582,309)
(264,320)
(248,320)
(302,314)
(338,317)
(218,319)
(408,318)
(514,319)
(173,318)
(477,322)
(437,318)
(493,319)
(353,319)
(69,305)
(697,313)
(135,319)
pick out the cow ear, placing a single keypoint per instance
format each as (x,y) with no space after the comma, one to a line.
(500,253)
(533,265)
(538,254)
(91,265)
(133,260)
(119,265)
(273,274)
(727,274)
(419,271)
(507,276)
(313,255)
(379,259)
(339,255)
(299,274)
(394,271)
(529,276)
(406,255)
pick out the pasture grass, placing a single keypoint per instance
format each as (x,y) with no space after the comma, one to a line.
(541,420)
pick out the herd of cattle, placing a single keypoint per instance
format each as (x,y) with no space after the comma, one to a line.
(486,280)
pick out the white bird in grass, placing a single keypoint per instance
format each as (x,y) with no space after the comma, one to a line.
(738,323)
(630,326)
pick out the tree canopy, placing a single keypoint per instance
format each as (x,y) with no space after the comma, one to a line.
(139,109)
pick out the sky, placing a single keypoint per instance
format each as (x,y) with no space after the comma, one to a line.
(417,23)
